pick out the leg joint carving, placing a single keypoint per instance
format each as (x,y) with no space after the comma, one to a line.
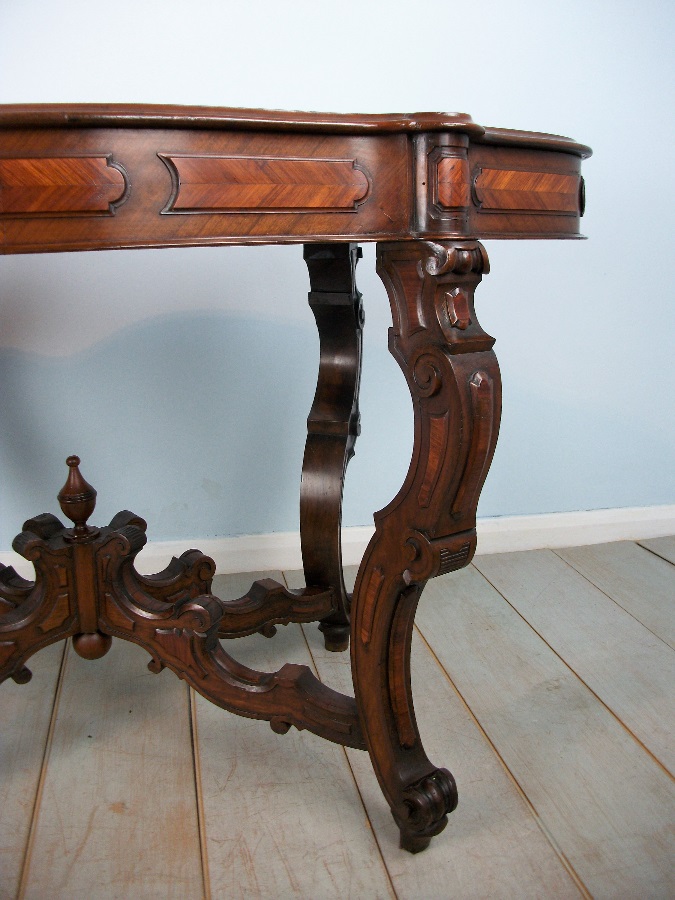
(430,558)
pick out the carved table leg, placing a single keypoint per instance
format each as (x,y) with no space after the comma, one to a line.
(332,426)
(429,528)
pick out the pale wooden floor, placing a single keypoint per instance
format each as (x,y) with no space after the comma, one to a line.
(544,680)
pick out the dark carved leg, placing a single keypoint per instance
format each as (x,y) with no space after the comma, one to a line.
(332,426)
(429,528)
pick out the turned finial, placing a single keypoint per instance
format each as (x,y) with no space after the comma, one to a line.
(77,499)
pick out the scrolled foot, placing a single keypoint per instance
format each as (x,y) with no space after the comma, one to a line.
(427,805)
(413,843)
(279,725)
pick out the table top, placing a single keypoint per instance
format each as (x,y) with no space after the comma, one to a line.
(85,176)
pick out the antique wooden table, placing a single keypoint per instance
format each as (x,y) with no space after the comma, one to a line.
(425,187)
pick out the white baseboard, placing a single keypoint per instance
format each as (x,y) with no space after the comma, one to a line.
(574,529)
(502,534)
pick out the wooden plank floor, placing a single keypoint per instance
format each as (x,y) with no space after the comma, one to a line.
(543,680)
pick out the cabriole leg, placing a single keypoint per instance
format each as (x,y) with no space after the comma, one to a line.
(429,528)
(332,425)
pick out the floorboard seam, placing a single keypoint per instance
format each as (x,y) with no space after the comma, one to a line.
(199,798)
(656,553)
(370,823)
(580,679)
(537,818)
(604,593)
(43,773)
(356,784)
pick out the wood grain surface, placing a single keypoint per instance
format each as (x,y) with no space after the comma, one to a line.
(190,176)
(663,547)
(630,669)
(605,802)
(117,813)
(636,579)
(59,185)
(557,796)
(26,712)
(280,811)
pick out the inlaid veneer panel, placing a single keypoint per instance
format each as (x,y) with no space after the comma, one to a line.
(518,190)
(270,184)
(322,177)
(453,182)
(345,186)
(60,186)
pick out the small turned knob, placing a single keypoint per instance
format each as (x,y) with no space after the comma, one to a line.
(77,499)
(92,646)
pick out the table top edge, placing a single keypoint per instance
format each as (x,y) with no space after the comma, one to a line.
(117,115)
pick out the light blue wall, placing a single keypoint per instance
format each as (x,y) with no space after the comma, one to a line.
(183,378)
